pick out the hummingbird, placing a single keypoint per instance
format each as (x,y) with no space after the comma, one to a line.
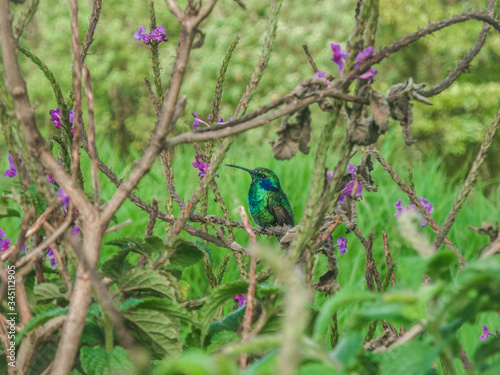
(267,202)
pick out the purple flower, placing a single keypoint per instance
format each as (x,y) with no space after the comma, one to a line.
(350,185)
(342,245)
(241,299)
(51,257)
(197,121)
(158,34)
(50,179)
(63,197)
(338,56)
(142,34)
(221,120)
(75,231)
(322,75)
(485,334)
(369,74)
(23,248)
(329,175)
(400,209)
(201,166)
(4,243)
(12,171)
(56,116)
(367,52)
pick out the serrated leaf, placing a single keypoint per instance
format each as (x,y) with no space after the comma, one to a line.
(169,307)
(230,322)
(380,110)
(38,320)
(97,361)
(220,295)
(154,330)
(115,266)
(139,245)
(144,279)
(186,253)
(439,266)
(47,292)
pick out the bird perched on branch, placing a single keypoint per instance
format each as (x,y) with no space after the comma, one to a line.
(267,202)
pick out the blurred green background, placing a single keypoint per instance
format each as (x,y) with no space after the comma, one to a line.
(453,126)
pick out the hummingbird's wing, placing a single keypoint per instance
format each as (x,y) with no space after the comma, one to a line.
(281,210)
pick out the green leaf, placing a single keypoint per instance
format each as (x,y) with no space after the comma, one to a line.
(137,245)
(268,290)
(3,207)
(439,266)
(38,320)
(96,361)
(344,297)
(489,348)
(115,266)
(154,330)
(348,347)
(221,339)
(144,279)
(220,295)
(414,358)
(196,362)
(8,212)
(167,306)
(230,322)
(186,253)
(47,292)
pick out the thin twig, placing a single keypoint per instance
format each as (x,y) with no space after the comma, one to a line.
(89,36)
(63,269)
(310,58)
(114,228)
(388,259)
(405,189)
(469,182)
(247,321)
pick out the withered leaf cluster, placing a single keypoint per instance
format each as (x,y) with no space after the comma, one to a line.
(365,131)
(401,107)
(293,136)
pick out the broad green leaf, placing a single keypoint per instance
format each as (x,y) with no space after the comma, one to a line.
(3,207)
(9,212)
(230,322)
(265,365)
(115,266)
(167,306)
(38,320)
(487,349)
(186,253)
(144,279)
(137,245)
(97,361)
(47,292)
(438,267)
(221,339)
(342,298)
(413,358)
(267,290)
(196,362)
(348,347)
(220,295)
(154,330)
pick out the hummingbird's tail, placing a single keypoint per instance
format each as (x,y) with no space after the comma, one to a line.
(236,166)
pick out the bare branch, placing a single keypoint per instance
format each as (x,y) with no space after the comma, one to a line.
(175,9)
(469,182)
(93,148)
(89,36)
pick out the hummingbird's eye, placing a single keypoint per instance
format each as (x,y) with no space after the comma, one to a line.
(262,175)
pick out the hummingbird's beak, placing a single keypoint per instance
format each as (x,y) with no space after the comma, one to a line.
(235,166)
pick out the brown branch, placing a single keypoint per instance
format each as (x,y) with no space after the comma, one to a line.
(175,9)
(89,36)
(388,259)
(26,116)
(114,228)
(13,251)
(310,58)
(93,147)
(405,188)
(170,180)
(413,37)
(469,181)
(464,63)
(247,321)
(153,97)
(22,303)
(63,269)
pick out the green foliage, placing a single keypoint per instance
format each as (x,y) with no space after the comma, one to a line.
(97,361)
(144,278)
(186,253)
(38,320)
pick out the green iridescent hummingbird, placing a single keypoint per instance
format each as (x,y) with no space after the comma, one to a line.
(268,203)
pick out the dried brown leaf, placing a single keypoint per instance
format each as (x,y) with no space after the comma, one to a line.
(328,281)
(293,137)
(362,131)
(380,110)
(347,211)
